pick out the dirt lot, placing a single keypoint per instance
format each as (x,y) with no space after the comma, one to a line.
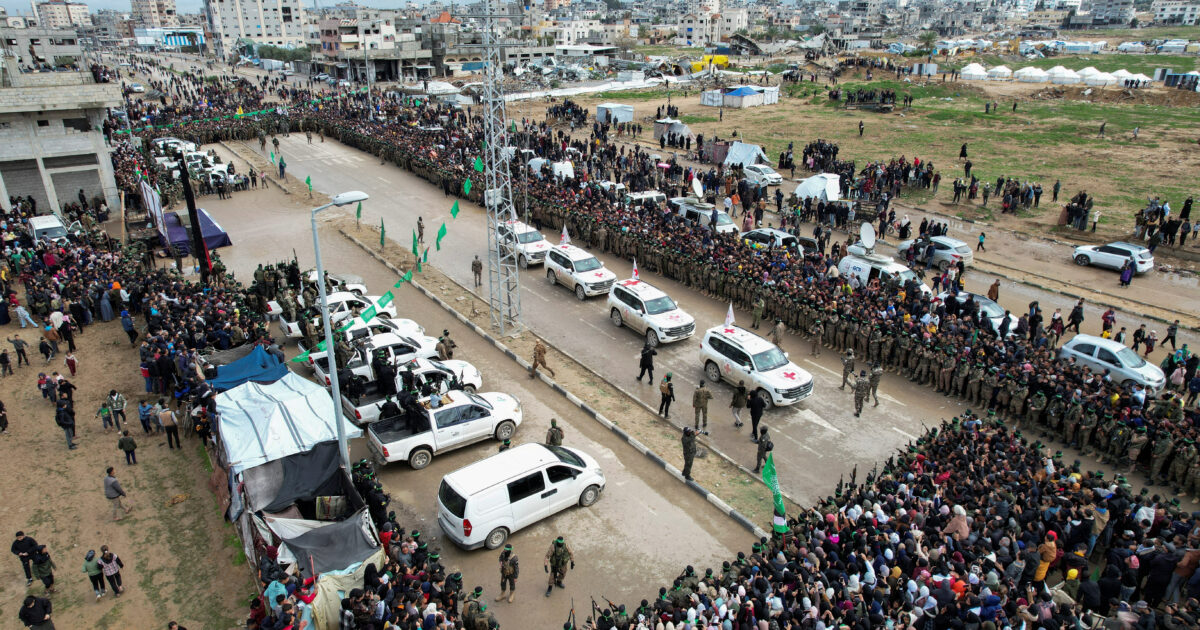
(181,562)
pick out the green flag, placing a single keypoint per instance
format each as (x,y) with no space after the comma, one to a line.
(308,181)
(771,478)
(385,299)
(441,234)
(405,278)
(454,209)
(418,266)
(301,357)
(370,313)
(478,164)
(414,249)
(358,213)
(467,186)
(512,126)
(425,256)
(382,232)
(272,157)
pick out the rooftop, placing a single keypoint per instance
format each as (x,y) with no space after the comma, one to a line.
(55,91)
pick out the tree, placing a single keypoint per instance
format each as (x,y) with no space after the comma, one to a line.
(927,39)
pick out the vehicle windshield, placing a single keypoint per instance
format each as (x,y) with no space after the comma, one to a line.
(766,170)
(769,360)
(587,264)
(441,366)
(566,456)
(531,236)
(906,275)
(990,309)
(723,219)
(1130,358)
(54,232)
(478,400)
(658,305)
(963,249)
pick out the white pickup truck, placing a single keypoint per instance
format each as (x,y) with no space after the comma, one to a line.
(339,282)
(361,330)
(399,348)
(342,304)
(437,375)
(460,419)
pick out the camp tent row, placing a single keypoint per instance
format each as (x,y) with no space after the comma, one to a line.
(1058,75)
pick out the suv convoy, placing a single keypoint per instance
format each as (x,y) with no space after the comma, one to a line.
(399,348)
(342,304)
(526,243)
(436,375)
(459,419)
(579,271)
(733,354)
(649,311)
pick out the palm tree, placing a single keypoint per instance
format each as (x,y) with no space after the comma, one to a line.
(927,38)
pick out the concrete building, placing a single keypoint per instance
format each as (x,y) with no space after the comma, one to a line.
(155,13)
(60,14)
(1185,12)
(168,38)
(1111,11)
(706,29)
(51,140)
(41,48)
(270,22)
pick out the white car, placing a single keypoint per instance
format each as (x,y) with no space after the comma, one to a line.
(867,267)
(436,374)
(360,330)
(397,348)
(733,354)
(1122,363)
(988,309)
(321,77)
(137,87)
(342,304)
(649,311)
(526,243)
(700,213)
(946,251)
(458,420)
(482,504)
(1114,255)
(579,271)
(769,238)
(608,185)
(341,282)
(761,173)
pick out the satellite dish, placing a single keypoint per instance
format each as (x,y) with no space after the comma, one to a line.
(866,234)
(697,188)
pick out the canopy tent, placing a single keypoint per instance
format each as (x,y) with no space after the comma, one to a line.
(177,232)
(822,187)
(614,113)
(999,73)
(259,366)
(1141,78)
(311,485)
(1087,72)
(1030,74)
(744,154)
(740,96)
(670,125)
(1121,74)
(1063,76)
(262,423)
(1100,79)
(973,72)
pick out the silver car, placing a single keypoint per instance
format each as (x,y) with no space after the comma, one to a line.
(947,251)
(1114,256)
(1123,364)
(987,308)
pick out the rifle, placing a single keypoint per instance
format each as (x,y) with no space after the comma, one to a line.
(570,625)
(853,477)
(611,606)
(838,490)
(595,610)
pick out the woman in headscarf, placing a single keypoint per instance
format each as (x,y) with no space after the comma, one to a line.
(106,309)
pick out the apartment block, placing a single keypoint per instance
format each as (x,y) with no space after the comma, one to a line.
(270,22)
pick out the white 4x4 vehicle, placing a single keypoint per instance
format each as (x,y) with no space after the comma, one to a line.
(648,310)
(342,304)
(735,354)
(527,243)
(579,271)
(460,419)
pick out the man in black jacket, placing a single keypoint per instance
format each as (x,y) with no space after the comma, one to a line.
(36,613)
(23,547)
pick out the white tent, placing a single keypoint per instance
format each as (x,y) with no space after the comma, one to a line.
(1141,78)
(1087,72)
(614,113)
(823,187)
(1122,74)
(973,72)
(260,423)
(1030,74)
(1063,76)
(999,73)
(744,154)
(1132,47)
(670,125)
(1100,79)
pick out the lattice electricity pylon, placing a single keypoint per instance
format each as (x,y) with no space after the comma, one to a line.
(504,285)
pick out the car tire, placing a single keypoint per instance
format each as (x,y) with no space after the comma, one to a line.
(1082,260)
(505,430)
(944,265)
(651,338)
(615,318)
(1127,383)
(712,371)
(496,538)
(579,293)
(551,277)
(522,262)
(766,397)
(589,496)
(420,458)
(470,389)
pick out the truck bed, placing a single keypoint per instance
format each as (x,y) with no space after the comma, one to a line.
(396,428)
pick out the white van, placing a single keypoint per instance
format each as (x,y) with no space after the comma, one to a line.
(639,199)
(49,227)
(700,213)
(482,504)
(867,267)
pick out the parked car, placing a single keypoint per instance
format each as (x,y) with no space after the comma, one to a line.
(700,213)
(362,330)
(649,311)
(867,267)
(761,173)
(341,282)
(398,348)
(482,504)
(342,304)
(732,354)
(1122,363)
(526,243)
(321,77)
(1114,256)
(988,309)
(947,251)
(576,269)
(137,88)
(458,420)
(436,374)
(766,238)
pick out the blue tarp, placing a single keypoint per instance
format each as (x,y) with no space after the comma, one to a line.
(177,230)
(742,91)
(259,366)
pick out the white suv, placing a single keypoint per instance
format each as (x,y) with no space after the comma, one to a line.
(734,354)
(527,243)
(648,310)
(579,271)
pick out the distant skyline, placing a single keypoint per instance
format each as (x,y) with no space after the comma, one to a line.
(20,7)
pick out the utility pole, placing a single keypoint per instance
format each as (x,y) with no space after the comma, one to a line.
(366,70)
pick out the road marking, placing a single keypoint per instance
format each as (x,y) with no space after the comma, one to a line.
(800,444)
(890,399)
(382,179)
(602,330)
(904,433)
(811,416)
(818,365)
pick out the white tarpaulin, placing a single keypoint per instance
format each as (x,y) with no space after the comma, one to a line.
(822,187)
(614,113)
(744,154)
(260,423)
(665,126)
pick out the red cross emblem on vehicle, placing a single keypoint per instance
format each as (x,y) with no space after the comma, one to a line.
(791,376)
(728,368)
(629,283)
(599,274)
(729,330)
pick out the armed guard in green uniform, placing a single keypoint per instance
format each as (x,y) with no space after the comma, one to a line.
(557,558)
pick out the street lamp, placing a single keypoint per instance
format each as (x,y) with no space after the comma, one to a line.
(343,199)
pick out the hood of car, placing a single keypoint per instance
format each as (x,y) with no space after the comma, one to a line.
(597,275)
(671,319)
(538,246)
(786,377)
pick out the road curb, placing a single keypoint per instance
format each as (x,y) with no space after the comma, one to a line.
(708,495)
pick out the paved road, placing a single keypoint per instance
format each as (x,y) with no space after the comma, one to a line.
(817,441)
(645,528)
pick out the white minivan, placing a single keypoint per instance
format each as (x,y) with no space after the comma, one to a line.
(482,504)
